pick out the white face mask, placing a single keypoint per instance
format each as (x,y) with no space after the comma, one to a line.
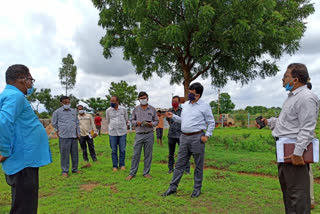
(143,101)
(66,106)
(81,111)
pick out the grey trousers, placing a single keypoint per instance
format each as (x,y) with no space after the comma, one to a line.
(68,146)
(189,145)
(146,141)
(295,186)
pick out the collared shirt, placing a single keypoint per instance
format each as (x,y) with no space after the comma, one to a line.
(140,115)
(66,122)
(117,121)
(86,124)
(175,127)
(196,117)
(23,138)
(297,119)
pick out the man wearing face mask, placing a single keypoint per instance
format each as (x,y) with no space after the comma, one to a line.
(87,125)
(24,145)
(117,119)
(196,116)
(66,121)
(144,117)
(174,134)
(297,120)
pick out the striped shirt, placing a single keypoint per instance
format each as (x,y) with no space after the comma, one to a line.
(148,115)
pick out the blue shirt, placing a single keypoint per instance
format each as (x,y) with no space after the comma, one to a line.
(23,138)
(196,117)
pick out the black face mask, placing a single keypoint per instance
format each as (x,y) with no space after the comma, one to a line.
(191,96)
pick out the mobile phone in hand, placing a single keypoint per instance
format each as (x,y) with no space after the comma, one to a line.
(261,124)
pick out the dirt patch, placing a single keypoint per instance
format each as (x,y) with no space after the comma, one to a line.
(88,187)
(113,188)
(50,132)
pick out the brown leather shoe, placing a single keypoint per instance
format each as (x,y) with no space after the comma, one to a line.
(313,206)
(148,176)
(86,166)
(65,175)
(115,169)
(122,168)
(130,177)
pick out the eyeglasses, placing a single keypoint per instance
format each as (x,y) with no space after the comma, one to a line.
(31,79)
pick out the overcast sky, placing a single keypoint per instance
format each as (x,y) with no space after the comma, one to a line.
(39,33)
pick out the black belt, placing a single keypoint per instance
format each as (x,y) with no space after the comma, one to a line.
(276,138)
(144,132)
(192,133)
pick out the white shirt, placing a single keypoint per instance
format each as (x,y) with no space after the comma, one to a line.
(117,121)
(297,119)
(196,117)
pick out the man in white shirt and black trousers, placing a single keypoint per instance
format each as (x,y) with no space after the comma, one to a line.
(196,116)
(297,120)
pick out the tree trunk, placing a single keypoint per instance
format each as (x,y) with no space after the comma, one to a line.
(186,82)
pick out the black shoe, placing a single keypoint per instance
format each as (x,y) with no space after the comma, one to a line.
(195,193)
(170,171)
(169,192)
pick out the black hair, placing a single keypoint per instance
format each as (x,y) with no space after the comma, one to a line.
(62,98)
(80,106)
(300,71)
(197,87)
(309,85)
(115,97)
(142,93)
(176,96)
(97,114)
(159,111)
(15,72)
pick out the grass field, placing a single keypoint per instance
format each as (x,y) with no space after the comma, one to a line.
(239,177)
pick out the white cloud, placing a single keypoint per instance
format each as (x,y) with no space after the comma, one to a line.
(39,33)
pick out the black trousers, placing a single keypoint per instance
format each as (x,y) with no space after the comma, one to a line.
(172,148)
(295,186)
(84,140)
(24,191)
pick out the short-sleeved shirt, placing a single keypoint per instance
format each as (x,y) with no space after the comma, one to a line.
(97,120)
(160,124)
(117,121)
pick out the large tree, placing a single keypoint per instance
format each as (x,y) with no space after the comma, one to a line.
(68,73)
(97,104)
(222,39)
(126,93)
(226,105)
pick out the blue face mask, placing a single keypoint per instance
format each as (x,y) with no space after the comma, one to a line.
(191,96)
(30,91)
(113,105)
(288,87)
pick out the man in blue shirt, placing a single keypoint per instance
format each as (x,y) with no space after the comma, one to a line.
(24,145)
(196,116)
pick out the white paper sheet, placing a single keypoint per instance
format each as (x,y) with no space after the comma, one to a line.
(280,152)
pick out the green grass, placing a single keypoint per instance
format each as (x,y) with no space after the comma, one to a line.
(240,177)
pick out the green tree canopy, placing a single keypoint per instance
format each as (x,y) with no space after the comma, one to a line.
(222,40)
(226,105)
(97,104)
(68,73)
(127,94)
